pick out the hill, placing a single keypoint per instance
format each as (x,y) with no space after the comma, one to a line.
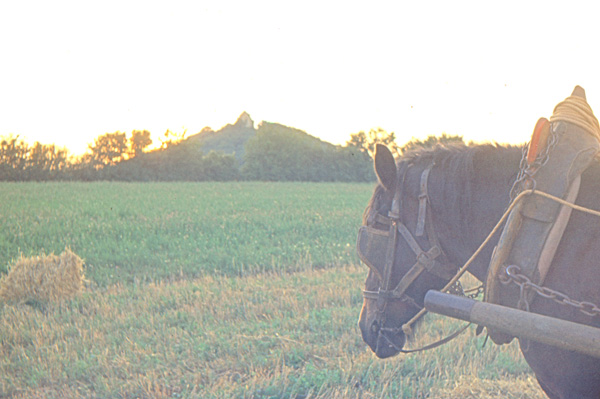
(282,153)
(230,139)
(271,152)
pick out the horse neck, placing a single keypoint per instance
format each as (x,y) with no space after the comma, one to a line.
(481,199)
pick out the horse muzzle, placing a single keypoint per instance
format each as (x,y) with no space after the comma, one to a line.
(389,342)
(384,342)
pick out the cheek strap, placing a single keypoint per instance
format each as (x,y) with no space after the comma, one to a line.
(423,199)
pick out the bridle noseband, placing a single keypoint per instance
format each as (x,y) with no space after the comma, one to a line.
(425,260)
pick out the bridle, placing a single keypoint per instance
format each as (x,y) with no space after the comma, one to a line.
(426,260)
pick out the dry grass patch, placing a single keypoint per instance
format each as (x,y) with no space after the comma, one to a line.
(471,387)
(277,335)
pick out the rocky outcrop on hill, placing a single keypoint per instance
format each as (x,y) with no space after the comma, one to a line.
(230,139)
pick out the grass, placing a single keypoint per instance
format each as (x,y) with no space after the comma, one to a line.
(148,232)
(273,335)
(266,325)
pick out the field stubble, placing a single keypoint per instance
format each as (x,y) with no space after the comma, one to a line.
(275,319)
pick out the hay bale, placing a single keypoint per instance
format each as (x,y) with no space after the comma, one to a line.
(45,278)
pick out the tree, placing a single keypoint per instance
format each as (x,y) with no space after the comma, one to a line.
(108,149)
(431,141)
(220,167)
(21,162)
(139,141)
(13,158)
(46,162)
(366,142)
(171,138)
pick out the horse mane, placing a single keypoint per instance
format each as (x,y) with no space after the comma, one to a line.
(462,167)
(465,170)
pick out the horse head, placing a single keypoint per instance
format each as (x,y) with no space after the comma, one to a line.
(399,244)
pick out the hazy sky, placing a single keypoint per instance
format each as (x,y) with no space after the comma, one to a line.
(73,70)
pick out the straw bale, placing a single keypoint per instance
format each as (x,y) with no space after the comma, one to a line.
(45,278)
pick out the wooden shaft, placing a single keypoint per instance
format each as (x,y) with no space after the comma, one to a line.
(548,330)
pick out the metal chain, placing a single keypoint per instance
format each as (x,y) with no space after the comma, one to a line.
(525,179)
(518,183)
(514,275)
(475,291)
(471,293)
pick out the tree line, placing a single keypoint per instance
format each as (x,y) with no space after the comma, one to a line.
(275,153)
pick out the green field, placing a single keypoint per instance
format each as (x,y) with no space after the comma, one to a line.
(146,232)
(207,290)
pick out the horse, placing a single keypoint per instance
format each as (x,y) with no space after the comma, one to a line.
(443,202)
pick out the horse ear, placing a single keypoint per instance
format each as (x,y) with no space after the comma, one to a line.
(385,167)
(579,92)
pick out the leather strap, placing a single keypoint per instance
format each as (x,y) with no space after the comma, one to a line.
(557,230)
(425,261)
(412,243)
(437,343)
(387,272)
(423,199)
